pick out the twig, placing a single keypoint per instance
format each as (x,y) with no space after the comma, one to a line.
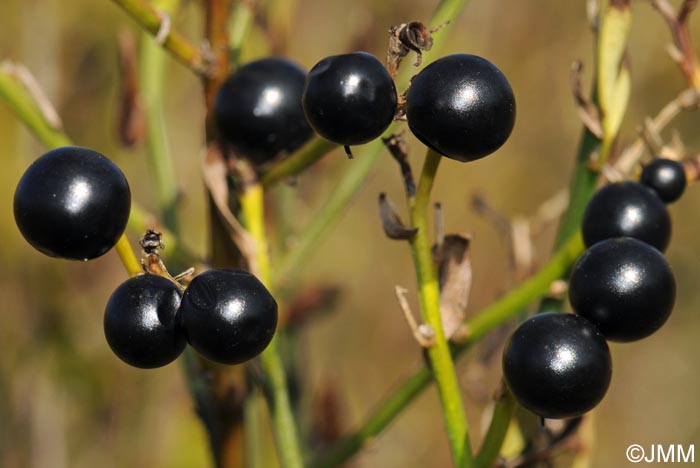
(152,21)
(424,334)
(686,100)
(303,158)
(684,53)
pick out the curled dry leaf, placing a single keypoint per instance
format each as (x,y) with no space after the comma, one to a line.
(215,172)
(403,38)
(394,228)
(398,147)
(455,275)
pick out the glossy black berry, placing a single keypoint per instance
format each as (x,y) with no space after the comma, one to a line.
(141,323)
(624,287)
(228,315)
(72,203)
(349,99)
(557,365)
(258,109)
(626,209)
(461,106)
(666,178)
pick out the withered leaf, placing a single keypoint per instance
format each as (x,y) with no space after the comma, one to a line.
(391,222)
(215,173)
(455,276)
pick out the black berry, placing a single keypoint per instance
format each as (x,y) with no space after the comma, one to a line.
(72,203)
(557,365)
(349,99)
(666,178)
(627,209)
(461,106)
(228,315)
(258,109)
(141,323)
(624,287)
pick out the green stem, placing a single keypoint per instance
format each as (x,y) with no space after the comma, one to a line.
(496,434)
(297,162)
(484,322)
(583,185)
(284,426)
(429,293)
(158,156)
(24,106)
(127,256)
(343,192)
(174,42)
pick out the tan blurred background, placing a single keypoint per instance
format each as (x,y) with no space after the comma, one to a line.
(67,401)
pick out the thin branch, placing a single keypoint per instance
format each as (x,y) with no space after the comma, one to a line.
(684,53)
(152,21)
(296,163)
(686,100)
(423,334)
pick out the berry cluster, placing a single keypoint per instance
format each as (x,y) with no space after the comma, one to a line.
(621,289)
(228,316)
(74,203)
(461,105)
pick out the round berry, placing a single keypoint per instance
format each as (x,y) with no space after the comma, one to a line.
(258,109)
(665,177)
(461,106)
(228,315)
(72,203)
(624,287)
(557,365)
(141,323)
(349,99)
(626,209)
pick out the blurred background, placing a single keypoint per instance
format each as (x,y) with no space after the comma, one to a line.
(67,401)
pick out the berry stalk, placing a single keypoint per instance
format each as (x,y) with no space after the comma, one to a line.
(284,426)
(429,292)
(127,256)
(496,434)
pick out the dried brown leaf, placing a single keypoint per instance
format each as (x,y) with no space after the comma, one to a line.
(394,228)
(215,172)
(455,275)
